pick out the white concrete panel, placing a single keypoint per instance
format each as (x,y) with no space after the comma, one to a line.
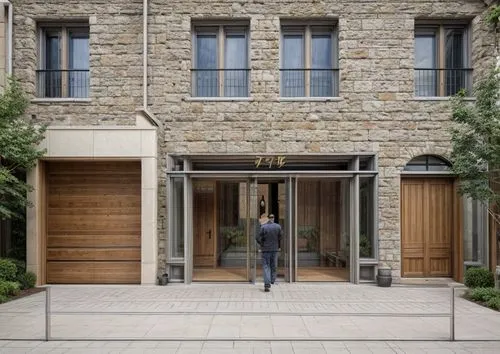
(148,273)
(70,143)
(117,143)
(149,173)
(148,141)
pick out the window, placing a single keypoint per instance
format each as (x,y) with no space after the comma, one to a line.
(442,60)
(475,221)
(63,61)
(427,163)
(309,61)
(220,61)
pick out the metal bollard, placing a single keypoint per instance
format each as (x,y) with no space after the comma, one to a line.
(452,315)
(47,314)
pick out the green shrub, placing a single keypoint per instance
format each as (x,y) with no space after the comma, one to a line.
(27,280)
(3,298)
(9,288)
(20,266)
(483,294)
(494,303)
(7,270)
(479,278)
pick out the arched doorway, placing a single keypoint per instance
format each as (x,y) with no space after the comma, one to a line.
(427,218)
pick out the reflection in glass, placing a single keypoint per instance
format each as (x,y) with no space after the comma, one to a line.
(177,222)
(366,217)
(321,72)
(425,65)
(220,231)
(455,60)
(53,75)
(235,64)
(322,237)
(475,231)
(206,78)
(79,80)
(293,74)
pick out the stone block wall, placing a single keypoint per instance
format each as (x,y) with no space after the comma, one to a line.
(376,111)
(115,58)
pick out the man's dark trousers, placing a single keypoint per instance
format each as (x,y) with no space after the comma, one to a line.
(269,264)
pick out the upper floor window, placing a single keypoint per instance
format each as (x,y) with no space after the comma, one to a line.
(220,61)
(309,60)
(63,61)
(442,60)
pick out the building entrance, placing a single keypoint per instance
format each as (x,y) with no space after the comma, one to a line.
(222,210)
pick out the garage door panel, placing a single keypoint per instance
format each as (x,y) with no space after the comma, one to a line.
(76,201)
(67,239)
(101,167)
(101,179)
(94,254)
(94,222)
(93,272)
(131,212)
(96,191)
(99,222)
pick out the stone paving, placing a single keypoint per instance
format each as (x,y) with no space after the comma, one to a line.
(240,313)
(248,347)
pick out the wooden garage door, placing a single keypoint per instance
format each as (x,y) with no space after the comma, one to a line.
(94,222)
(427,227)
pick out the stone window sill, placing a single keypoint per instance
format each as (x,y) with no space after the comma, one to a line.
(61,100)
(310,99)
(218,99)
(440,98)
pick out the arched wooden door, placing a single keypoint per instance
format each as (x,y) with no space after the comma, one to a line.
(427,227)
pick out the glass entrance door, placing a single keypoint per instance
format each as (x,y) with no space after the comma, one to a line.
(270,196)
(322,229)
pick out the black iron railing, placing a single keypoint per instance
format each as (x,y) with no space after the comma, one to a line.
(309,82)
(63,83)
(220,82)
(431,82)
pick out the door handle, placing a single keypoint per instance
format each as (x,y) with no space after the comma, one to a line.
(209,232)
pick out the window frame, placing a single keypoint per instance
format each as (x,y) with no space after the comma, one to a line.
(438,30)
(307,29)
(220,29)
(63,29)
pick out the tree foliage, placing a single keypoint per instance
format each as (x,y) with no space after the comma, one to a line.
(19,150)
(476,142)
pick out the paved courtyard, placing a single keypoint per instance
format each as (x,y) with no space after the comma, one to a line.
(241,317)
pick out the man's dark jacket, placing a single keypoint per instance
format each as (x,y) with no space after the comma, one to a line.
(269,237)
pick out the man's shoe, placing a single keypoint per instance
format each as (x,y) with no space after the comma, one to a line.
(267,290)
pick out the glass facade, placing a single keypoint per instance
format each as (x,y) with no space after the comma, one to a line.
(315,213)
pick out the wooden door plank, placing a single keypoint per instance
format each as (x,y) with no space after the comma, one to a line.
(412,227)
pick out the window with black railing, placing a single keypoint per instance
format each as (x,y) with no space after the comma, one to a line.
(63,83)
(64,62)
(309,82)
(309,61)
(442,60)
(220,82)
(442,82)
(221,65)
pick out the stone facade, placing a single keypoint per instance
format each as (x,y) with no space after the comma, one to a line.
(376,111)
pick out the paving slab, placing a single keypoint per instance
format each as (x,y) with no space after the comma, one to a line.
(242,312)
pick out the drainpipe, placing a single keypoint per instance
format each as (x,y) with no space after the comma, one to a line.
(8,5)
(145,55)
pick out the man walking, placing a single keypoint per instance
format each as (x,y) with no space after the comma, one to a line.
(269,239)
